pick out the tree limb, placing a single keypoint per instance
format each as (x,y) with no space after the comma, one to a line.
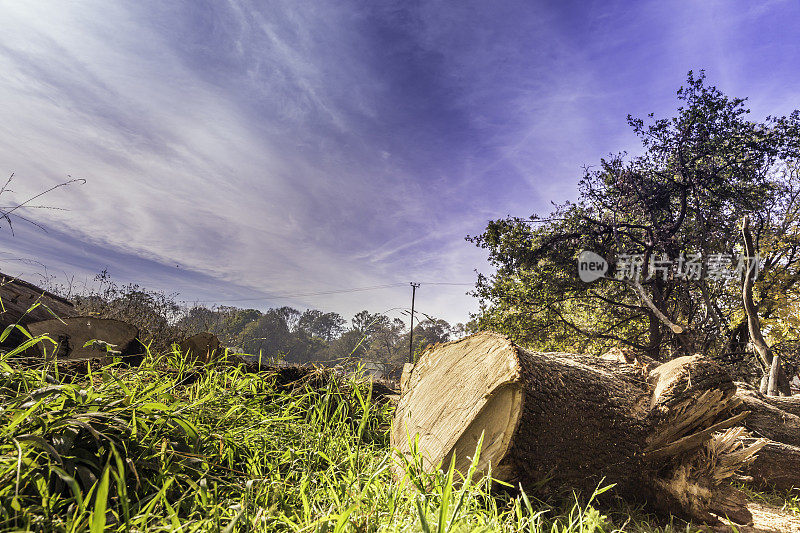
(774,384)
(649,303)
(762,348)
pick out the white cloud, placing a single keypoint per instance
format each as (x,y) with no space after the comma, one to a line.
(177,171)
(297,146)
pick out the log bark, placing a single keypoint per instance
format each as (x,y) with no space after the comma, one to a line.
(553,423)
(789,404)
(776,465)
(72,334)
(18,296)
(772,417)
(776,419)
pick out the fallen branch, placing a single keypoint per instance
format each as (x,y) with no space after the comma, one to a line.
(776,465)
(771,417)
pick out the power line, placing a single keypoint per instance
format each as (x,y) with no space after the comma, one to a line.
(318,293)
(445,283)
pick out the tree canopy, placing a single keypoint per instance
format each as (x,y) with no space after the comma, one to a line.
(679,203)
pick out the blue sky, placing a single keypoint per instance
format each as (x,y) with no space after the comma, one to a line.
(255,153)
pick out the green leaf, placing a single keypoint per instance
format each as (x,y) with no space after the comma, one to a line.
(98,520)
(447,491)
(341,522)
(423,520)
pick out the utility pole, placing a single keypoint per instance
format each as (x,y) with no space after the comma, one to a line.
(411,339)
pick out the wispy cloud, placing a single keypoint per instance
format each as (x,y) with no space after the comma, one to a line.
(296,146)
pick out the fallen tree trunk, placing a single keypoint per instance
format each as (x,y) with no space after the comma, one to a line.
(776,465)
(773,417)
(790,404)
(18,296)
(568,422)
(776,419)
(23,303)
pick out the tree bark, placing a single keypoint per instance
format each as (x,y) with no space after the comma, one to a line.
(18,296)
(554,423)
(776,465)
(777,419)
(777,382)
(771,417)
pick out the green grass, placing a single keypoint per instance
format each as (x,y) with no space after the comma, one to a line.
(125,449)
(787,500)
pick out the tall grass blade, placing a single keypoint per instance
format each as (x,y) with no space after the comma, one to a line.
(98,520)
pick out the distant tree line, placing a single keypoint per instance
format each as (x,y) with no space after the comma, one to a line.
(287,334)
(277,334)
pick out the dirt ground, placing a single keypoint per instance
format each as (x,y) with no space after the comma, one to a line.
(769,519)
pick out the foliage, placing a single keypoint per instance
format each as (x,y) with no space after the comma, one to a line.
(699,172)
(120,449)
(326,326)
(155,313)
(277,334)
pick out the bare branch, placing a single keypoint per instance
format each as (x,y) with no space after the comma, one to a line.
(6,212)
(762,348)
(777,380)
(676,329)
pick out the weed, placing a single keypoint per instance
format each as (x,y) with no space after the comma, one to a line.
(122,449)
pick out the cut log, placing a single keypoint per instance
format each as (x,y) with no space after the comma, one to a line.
(202,347)
(776,465)
(773,417)
(555,422)
(18,296)
(72,334)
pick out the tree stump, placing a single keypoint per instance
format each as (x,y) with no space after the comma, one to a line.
(558,422)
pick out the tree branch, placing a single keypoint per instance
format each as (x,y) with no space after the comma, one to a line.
(777,381)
